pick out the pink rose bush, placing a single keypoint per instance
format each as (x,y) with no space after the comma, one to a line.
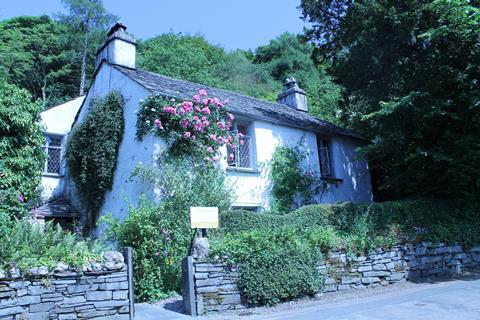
(198,127)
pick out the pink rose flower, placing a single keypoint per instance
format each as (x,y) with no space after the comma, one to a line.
(185,123)
(231,156)
(195,118)
(206,123)
(202,92)
(206,110)
(193,138)
(187,134)
(158,123)
(21,198)
(240,135)
(170,110)
(242,142)
(221,125)
(213,137)
(204,118)
(187,106)
(205,102)
(210,149)
(215,158)
(230,117)
(196,98)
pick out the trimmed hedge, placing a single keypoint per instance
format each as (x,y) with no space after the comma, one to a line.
(279,253)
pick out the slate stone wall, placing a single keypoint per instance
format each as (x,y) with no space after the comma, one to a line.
(215,283)
(103,294)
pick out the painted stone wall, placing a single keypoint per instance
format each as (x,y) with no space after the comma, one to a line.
(215,283)
(100,291)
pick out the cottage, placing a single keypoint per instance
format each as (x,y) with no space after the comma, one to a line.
(331,150)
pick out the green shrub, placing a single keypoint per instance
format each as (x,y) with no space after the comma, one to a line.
(93,150)
(28,245)
(289,181)
(276,265)
(21,149)
(160,234)
(280,274)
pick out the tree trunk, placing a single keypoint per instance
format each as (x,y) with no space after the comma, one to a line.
(84,65)
(44,88)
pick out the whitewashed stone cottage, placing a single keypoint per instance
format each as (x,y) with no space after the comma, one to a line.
(331,150)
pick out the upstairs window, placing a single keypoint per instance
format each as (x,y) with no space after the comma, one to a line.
(324,156)
(53,148)
(240,155)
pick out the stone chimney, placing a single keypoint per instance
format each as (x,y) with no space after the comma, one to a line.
(120,48)
(292,95)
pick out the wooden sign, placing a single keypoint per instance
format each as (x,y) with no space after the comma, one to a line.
(204,217)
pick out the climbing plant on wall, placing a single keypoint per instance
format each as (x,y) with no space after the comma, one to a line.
(93,150)
(291,185)
(196,128)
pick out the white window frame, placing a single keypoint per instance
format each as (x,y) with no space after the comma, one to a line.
(250,146)
(47,147)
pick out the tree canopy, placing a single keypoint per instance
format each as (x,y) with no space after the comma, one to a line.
(410,71)
(33,56)
(288,55)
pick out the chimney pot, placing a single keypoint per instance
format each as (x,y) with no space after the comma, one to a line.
(292,95)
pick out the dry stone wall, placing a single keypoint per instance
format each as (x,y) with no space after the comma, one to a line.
(215,283)
(97,292)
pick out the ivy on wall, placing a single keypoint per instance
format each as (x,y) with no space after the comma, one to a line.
(291,185)
(93,150)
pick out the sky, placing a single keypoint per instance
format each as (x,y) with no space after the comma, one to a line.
(244,24)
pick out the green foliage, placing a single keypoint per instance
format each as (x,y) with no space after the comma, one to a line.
(21,148)
(289,55)
(276,266)
(192,58)
(279,253)
(288,180)
(29,245)
(93,150)
(161,234)
(34,56)
(405,91)
(86,24)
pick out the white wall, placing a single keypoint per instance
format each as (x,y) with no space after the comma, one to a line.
(253,188)
(124,191)
(58,120)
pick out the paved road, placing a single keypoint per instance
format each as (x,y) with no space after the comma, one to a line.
(452,300)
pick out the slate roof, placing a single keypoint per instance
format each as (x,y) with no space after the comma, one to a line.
(57,208)
(239,104)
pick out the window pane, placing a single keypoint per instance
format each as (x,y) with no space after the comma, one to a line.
(53,161)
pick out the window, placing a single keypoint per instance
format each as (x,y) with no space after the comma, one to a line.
(326,168)
(53,148)
(240,155)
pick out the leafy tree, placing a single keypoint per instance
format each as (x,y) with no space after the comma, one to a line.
(21,148)
(410,71)
(287,56)
(87,22)
(192,58)
(33,56)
